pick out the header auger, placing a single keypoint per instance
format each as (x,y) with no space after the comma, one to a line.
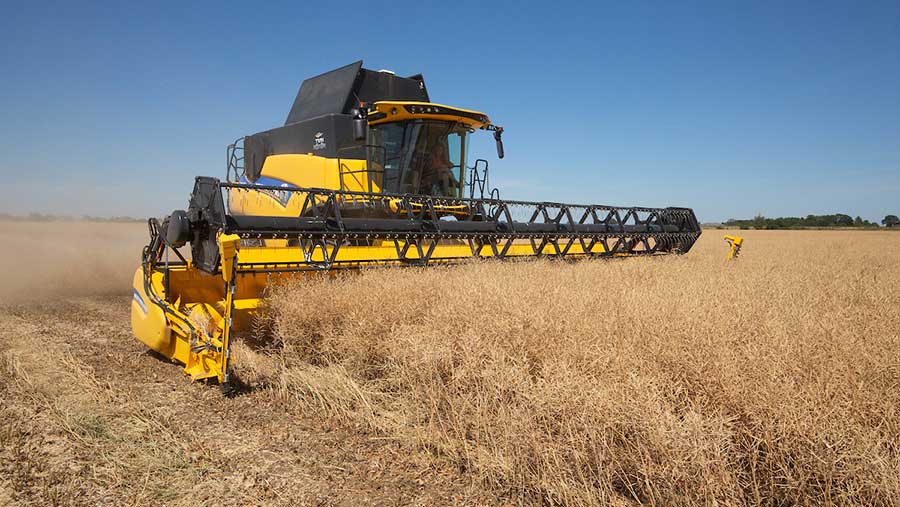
(365,172)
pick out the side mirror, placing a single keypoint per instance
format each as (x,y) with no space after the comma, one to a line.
(360,125)
(498,133)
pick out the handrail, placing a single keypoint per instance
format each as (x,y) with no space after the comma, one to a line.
(366,170)
(479,180)
(233,161)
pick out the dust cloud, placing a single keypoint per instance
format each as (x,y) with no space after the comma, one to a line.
(49,260)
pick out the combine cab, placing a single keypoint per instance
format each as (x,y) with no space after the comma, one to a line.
(366,171)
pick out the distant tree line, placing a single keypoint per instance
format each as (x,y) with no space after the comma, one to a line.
(41,217)
(808,222)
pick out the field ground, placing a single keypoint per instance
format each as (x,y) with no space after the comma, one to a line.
(679,380)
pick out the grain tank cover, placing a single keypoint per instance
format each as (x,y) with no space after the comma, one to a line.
(340,91)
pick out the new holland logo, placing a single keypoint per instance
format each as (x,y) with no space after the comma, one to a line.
(319,141)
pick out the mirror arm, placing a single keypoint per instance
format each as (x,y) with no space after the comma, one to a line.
(498,137)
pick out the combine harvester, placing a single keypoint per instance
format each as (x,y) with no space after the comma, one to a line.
(365,171)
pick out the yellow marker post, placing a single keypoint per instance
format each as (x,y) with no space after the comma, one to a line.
(735,242)
(229,245)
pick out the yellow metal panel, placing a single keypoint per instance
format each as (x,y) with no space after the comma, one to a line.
(148,320)
(168,334)
(301,170)
(229,245)
(385,251)
(309,171)
(313,171)
(396,112)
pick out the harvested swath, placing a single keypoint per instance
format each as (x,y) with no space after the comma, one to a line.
(666,381)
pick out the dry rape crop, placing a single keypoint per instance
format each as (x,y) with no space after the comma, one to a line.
(772,380)
(665,381)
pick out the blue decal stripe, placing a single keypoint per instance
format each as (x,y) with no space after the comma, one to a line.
(281,196)
(140,301)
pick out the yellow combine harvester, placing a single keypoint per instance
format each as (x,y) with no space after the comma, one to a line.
(366,171)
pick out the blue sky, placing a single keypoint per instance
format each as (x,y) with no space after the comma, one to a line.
(781,108)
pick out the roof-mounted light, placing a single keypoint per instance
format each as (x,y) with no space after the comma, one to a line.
(425,109)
